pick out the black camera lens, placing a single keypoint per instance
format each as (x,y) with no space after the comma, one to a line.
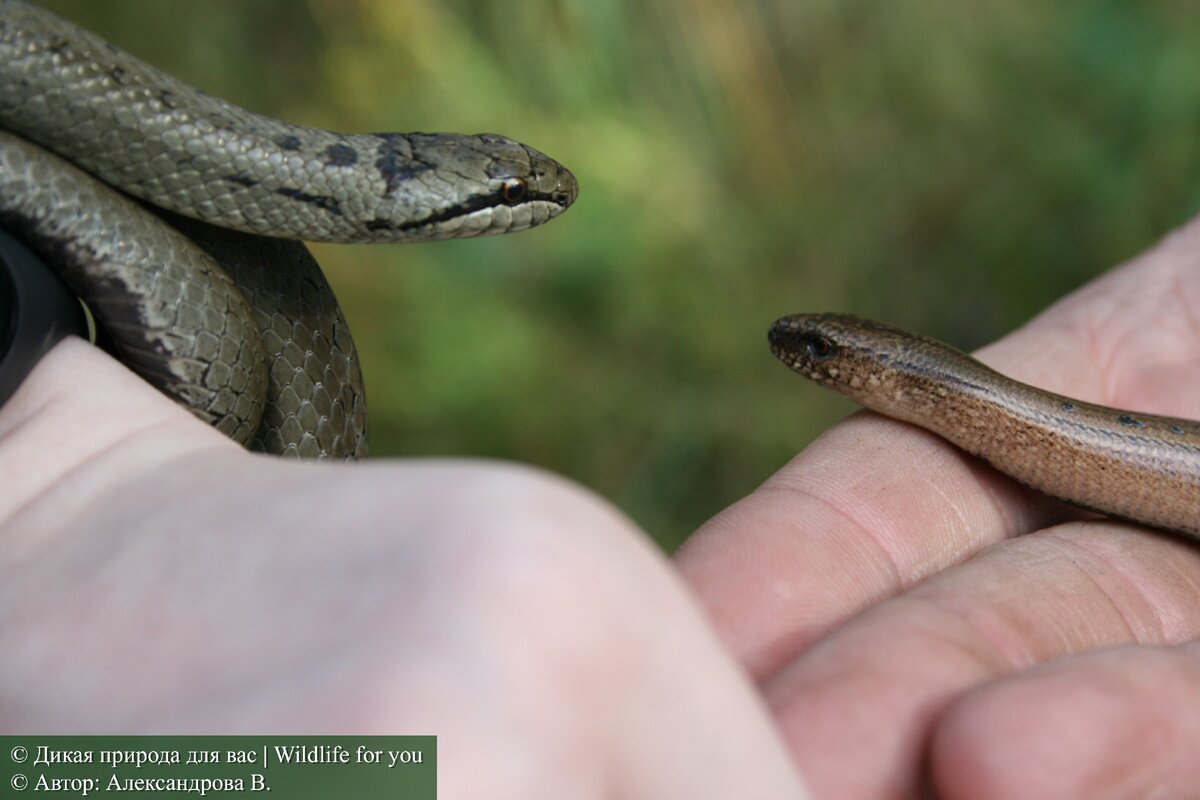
(36,312)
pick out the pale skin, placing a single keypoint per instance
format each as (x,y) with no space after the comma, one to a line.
(875,588)
(868,615)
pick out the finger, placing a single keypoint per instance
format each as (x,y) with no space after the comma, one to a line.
(873,505)
(858,706)
(1113,724)
(867,510)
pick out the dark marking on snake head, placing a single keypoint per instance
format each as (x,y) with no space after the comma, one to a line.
(167,99)
(1176,429)
(395,173)
(59,45)
(380,225)
(340,155)
(287,141)
(468,206)
(242,180)
(118,76)
(1068,407)
(395,162)
(1125,419)
(322,201)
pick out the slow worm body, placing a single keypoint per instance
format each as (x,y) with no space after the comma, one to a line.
(1135,466)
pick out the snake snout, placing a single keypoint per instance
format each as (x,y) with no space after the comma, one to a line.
(785,332)
(550,180)
(567,188)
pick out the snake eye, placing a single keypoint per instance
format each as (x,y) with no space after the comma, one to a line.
(820,348)
(513,191)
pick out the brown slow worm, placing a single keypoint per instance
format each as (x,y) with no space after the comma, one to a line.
(1130,465)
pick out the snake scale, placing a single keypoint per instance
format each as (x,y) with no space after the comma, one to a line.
(1127,464)
(210,297)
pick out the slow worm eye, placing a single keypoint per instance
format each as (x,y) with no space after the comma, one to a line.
(513,191)
(820,348)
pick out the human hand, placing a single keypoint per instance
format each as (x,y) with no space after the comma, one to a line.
(155,578)
(905,639)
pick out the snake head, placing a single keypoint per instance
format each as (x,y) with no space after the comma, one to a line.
(443,186)
(847,354)
(879,366)
(808,342)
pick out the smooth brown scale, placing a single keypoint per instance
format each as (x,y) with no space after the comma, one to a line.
(1135,466)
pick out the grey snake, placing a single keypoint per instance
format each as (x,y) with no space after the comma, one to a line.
(209,296)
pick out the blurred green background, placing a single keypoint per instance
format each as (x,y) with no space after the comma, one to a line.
(947,166)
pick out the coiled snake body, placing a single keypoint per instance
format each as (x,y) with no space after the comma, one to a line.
(212,309)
